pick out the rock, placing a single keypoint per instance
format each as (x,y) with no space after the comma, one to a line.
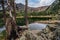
(23,38)
(45,34)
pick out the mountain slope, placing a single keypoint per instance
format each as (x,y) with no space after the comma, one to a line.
(20,6)
(55,7)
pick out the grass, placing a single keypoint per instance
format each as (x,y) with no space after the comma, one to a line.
(2,35)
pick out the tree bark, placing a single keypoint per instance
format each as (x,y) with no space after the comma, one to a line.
(4,16)
(12,14)
(26,15)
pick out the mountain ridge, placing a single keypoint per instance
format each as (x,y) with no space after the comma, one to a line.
(21,6)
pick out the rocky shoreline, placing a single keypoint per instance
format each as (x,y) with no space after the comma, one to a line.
(49,33)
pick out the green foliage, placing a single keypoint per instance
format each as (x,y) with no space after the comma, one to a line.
(1,23)
(54,8)
(21,21)
(2,35)
(1,15)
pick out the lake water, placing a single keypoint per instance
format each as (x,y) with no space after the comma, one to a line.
(32,26)
(37,26)
(2,29)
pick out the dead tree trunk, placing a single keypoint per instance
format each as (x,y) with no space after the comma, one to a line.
(26,15)
(12,13)
(11,27)
(4,14)
(14,16)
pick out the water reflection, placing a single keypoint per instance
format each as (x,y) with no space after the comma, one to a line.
(37,26)
(32,26)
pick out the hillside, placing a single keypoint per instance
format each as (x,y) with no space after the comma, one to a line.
(21,6)
(55,7)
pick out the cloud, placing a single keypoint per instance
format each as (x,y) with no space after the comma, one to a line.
(33,3)
(46,2)
(36,3)
(20,1)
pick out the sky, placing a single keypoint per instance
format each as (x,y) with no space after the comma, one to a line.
(36,3)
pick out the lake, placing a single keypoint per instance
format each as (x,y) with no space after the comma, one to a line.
(2,29)
(32,26)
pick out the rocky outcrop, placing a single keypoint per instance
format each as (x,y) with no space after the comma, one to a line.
(49,33)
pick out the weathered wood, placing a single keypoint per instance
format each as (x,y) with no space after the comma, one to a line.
(26,16)
(4,14)
(12,12)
